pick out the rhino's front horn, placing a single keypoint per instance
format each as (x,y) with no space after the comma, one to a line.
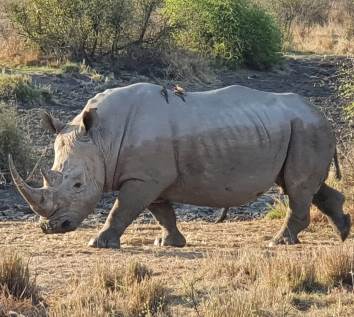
(35,197)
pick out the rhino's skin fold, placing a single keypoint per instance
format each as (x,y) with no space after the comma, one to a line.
(219,148)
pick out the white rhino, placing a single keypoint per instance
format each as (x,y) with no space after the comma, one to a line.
(218,148)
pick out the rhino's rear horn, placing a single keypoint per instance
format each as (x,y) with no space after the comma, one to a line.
(33,196)
(52,178)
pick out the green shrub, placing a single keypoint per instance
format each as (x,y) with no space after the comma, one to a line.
(13,140)
(347,88)
(233,31)
(20,87)
(70,68)
(88,28)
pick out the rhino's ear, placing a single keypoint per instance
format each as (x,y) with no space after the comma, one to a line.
(89,120)
(50,123)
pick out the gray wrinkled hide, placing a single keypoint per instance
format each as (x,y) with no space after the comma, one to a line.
(219,148)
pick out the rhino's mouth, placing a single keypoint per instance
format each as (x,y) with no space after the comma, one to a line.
(50,227)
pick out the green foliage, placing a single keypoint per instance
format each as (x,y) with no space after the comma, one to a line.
(347,88)
(13,140)
(87,28)
(279,210)
(20,87)
(82,68)
(70,68)
(233,31)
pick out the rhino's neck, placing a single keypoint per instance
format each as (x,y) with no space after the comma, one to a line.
(101,144)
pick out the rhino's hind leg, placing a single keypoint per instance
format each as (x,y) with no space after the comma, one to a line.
(223,215)
(330,202)
(298,219)
(166,217)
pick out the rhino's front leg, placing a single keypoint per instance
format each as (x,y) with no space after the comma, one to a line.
(165,215)
(134,197)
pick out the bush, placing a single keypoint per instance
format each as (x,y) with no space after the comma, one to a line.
(88,28)
(13,140)
(233,31)
(20,87)
(347,88)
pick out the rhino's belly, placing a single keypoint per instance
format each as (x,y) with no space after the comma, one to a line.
(228,176)
(220,192)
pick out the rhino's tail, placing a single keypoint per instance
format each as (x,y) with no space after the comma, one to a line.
(336,165)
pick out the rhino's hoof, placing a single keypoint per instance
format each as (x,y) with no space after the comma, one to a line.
(173,241)
(345,230)
(283,240)
(104,243)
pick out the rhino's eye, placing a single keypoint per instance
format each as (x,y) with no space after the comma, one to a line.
(77,185)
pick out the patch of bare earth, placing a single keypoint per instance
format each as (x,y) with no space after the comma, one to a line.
(225,269)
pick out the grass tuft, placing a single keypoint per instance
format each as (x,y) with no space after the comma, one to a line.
(114,291)
(20,87)
(279,210)
(15,279)
(70,68)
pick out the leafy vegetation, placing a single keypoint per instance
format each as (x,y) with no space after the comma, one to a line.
(234,32)
(13,140)
(85,29)
(347,88)
(20,87)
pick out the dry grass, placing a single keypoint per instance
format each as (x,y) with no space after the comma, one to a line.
(335,36)
(112,290)
(18,289)
(332,38)
(225,270)
(278,210)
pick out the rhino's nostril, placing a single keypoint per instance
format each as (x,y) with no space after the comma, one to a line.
(65,224)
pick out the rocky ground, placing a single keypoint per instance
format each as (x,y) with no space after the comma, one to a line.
(315,77)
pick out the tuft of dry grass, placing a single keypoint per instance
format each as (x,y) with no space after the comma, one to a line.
(18,290)
(15,279)
(258,283)
(279,210)
(125,290)
(331,38)
(335,267)
(189,67)
(20,87)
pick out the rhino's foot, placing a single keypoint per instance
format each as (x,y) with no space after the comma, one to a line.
(175,240)
(105,239)
(344,230)
(284,238)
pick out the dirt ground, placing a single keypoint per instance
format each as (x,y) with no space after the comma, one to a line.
(57,259)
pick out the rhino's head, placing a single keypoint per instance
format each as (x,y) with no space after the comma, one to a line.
(74,185)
